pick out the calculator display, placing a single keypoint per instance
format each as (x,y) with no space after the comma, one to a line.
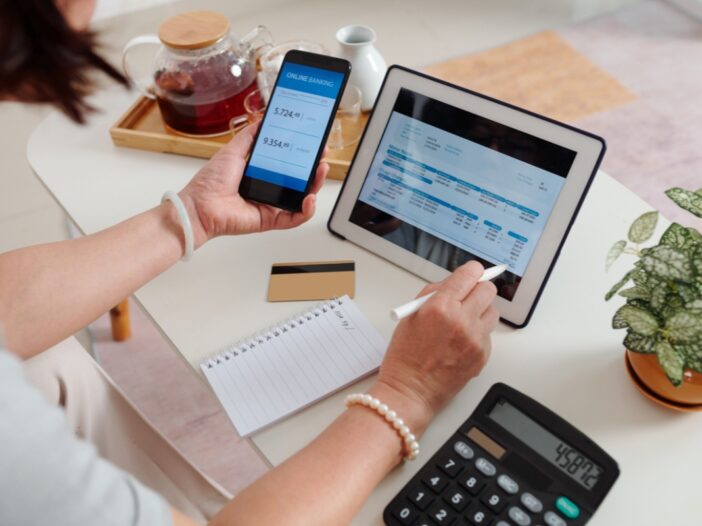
(559,453)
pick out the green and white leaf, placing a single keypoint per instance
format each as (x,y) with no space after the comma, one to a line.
(684,326)
(673,303)
(658,296)
(643,227)
(619,285)
(639,275)
(636,292)
(638,343)
(614,253)
(692,354)
(638,319)
(668,262)
(646,279)
(690,201)
(640,304)
(697,261)
(681,237)
(686,292)
(671,362)
(695,304)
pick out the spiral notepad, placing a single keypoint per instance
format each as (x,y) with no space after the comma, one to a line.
(285,368)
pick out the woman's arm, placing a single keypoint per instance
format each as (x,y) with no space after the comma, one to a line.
(49,292)
(328,481)
(432,355)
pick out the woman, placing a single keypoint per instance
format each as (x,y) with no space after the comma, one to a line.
(48,292)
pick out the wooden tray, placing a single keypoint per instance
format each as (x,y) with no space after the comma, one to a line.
(142,127)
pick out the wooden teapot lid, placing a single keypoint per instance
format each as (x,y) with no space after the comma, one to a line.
(194,30)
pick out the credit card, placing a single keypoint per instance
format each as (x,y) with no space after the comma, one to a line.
(319,280)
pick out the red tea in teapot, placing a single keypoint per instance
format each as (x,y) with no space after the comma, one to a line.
(202,72)
(191,103)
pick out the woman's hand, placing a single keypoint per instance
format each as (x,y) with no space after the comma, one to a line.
(215,206)
(434,352)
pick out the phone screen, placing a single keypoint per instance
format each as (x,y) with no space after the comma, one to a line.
(294,127)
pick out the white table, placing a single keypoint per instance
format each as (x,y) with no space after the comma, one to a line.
(568,357)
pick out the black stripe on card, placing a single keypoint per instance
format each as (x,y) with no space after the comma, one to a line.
(308,269)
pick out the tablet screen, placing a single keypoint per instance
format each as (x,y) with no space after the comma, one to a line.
(451,186)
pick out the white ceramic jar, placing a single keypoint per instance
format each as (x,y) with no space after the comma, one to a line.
(367,64)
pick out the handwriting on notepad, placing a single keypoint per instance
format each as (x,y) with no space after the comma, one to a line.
(343,321)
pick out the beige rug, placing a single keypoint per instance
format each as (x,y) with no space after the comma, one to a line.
(541,73)
(177,402)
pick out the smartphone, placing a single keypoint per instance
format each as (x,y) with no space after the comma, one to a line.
(294,130)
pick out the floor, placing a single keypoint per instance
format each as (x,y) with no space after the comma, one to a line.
(653,141)
(176,402)
(145,366)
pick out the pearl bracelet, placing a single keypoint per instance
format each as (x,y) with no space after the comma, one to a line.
(411,449)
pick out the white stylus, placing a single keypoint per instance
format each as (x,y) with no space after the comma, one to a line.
(413,306)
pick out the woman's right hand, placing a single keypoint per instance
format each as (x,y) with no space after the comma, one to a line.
(434,352)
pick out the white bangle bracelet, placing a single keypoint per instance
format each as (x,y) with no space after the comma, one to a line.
(184,223)
(411,445)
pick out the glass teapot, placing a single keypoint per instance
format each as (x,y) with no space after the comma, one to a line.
(201,73)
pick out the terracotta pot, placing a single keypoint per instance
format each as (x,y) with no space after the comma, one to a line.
(649,372)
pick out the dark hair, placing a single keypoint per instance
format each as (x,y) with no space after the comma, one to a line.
(42,59)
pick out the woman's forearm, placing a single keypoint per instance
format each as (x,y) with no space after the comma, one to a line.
(328,481)
(49,292)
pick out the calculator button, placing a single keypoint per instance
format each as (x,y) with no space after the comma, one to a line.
(464,450)
(479,516)
(508,484)
(450,466)
(420,497)
(405,514)
(503,523)
(567,507)
(494,501)
(457,499)
(472,482)
(553,520)
(441,514)
(531,503)
(436,481)
(519,516)
(486,467)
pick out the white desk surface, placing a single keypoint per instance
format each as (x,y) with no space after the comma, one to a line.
(568,358)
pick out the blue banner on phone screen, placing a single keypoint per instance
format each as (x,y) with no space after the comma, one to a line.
(292,131)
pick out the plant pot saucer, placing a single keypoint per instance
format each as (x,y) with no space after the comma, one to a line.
(648,393)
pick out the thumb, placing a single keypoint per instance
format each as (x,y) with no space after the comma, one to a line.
(241,144)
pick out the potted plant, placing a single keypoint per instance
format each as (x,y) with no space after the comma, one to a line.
(663,310)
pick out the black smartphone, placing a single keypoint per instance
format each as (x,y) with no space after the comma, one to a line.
(291,138)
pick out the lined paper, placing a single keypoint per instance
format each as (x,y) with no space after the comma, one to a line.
(278,372)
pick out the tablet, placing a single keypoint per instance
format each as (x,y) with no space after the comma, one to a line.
(443,175)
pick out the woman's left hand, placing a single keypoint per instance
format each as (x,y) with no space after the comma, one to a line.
(215,206)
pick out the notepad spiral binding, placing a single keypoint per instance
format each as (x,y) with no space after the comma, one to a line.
(273,331)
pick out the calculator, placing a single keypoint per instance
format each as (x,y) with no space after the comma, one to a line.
(512,463)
